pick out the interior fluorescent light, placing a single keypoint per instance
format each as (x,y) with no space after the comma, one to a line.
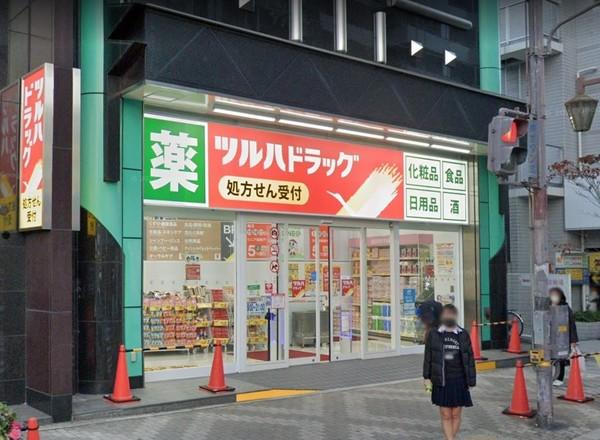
(409,133)
(226,111)
(359,133)
(305,124)
(450,140)
(448,148)
(306,115)
(406,141)
(359,124)
(157,97)
(244,104)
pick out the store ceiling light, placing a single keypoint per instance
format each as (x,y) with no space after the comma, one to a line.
(244,104)
(359,133)
(305,124)
(406,141)
(306,115)
(359,124)
(228,112)
(157,97)
(449,148)
(450,140)
(409,133)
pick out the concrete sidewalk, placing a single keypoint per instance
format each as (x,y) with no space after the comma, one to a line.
(184,394)
(399,410)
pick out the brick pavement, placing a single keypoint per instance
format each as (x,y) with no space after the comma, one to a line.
(393,411)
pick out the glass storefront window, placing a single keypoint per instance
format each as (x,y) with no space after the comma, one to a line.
(265,309)
(345,291)
(379,290)
(429,270)
(189,294)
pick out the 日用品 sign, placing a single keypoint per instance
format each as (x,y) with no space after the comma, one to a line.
(35,149)
(435,189)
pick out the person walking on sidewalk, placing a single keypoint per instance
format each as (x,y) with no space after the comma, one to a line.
(449,370)
(558,298)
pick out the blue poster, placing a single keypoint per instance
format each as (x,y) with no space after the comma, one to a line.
(409,295)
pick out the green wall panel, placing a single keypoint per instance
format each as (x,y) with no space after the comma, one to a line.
(133,338)
(132,134)
(132,251)
(132,203)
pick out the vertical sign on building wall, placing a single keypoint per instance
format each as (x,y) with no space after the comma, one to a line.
(174,161)
(35,148)
(9,158)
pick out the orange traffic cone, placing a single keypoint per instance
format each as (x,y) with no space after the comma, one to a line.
(475,342)
(575,392)
(33,429)
(519,406)
(121,391)
(216,382)
(514,345)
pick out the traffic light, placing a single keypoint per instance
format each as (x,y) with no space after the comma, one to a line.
(507,145)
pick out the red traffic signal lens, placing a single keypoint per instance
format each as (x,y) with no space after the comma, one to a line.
(510,137)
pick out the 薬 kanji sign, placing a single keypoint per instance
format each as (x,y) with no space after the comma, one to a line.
(174,161)
(436,189)
(35,165)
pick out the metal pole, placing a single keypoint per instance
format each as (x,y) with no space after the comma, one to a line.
(541,326)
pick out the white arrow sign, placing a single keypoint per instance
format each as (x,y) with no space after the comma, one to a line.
(415,47)
(449,57)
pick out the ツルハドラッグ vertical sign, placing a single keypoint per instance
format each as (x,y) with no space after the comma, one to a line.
(174,161)
(35,148)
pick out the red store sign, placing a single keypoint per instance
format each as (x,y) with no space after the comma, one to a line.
(35,148)
(259,170)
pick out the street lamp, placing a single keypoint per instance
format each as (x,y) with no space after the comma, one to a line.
(581,108)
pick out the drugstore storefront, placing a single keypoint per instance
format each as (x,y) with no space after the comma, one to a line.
(288,202)
(287,246)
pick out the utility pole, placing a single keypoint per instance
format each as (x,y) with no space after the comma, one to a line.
(539,215)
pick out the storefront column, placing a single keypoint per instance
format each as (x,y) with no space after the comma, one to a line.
(131,150)
(100,257)
(493,265)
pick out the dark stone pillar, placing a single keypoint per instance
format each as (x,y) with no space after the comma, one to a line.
(49,272)
(100,306)
(12,256)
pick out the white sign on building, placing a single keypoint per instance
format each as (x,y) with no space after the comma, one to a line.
(435,189)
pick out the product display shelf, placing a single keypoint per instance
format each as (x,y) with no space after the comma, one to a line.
(222,316)
(175,321)
(257,336)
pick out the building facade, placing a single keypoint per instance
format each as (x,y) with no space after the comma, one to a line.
(288,180)
(575,52)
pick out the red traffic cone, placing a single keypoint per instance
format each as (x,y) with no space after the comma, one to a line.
(216,381)
(33,429)
(475,342)
(575,392)
(519,406)
(121,391)
(514,345)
